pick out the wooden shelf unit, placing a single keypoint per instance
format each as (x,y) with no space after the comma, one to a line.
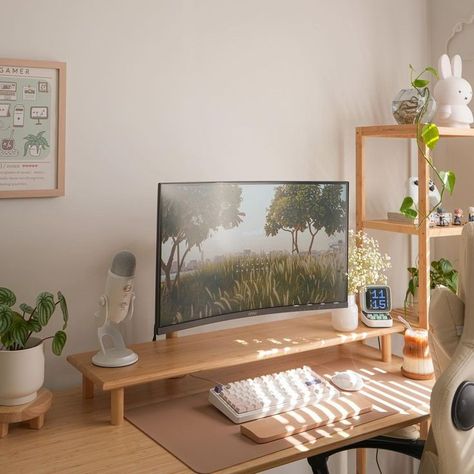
(422,231)
(180,356)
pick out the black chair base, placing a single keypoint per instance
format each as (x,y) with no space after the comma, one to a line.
(413,448)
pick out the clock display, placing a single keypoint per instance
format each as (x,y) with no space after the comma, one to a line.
(377,299)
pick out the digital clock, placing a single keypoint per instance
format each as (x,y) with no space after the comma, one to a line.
(376,305)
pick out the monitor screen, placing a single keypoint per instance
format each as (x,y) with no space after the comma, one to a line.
(229,249)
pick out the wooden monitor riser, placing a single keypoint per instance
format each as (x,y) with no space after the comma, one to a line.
(178,356)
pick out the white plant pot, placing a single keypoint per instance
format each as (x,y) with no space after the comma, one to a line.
(35,150)
(346,319)
(21,373)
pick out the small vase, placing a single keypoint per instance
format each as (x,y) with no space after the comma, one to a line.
(408,104)
(346,319)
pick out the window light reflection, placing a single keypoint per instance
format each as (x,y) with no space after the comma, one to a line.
(418,394)
(417,385)
(396,400)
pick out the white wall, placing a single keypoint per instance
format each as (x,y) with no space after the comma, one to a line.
(183,90)
(455,155)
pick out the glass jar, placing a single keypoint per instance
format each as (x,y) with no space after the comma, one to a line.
(408,104)
(417,362)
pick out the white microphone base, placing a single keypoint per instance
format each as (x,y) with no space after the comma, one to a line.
(115,358)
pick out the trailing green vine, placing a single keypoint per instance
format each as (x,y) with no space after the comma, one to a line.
(427,136)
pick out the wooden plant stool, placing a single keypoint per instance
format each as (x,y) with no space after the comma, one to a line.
(33,412)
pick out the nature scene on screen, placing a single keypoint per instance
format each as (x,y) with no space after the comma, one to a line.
(227,248)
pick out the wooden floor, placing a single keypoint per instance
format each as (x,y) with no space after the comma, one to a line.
(77,436)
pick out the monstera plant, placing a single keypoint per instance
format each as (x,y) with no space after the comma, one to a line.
(17,326)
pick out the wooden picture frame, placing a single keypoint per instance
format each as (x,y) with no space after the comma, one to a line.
(32,128)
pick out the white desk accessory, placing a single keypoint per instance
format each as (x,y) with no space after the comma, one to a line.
(376,305)
(348,381)
(116,306)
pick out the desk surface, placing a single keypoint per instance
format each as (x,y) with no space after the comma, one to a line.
(77,437)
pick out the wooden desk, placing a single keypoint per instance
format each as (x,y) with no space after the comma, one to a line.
(225,348)
(78,439)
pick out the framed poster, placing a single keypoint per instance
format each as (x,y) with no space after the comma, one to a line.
(32,128)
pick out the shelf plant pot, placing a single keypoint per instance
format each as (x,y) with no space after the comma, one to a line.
(21,373)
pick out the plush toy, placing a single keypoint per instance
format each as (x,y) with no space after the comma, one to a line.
(452,94)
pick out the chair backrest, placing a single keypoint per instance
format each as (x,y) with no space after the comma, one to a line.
(450,445)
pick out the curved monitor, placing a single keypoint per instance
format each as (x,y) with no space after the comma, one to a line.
(230,250)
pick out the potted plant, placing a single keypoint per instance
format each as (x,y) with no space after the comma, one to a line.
(367,266)
(427,136)
(21,353)
(442,273)
(35,143)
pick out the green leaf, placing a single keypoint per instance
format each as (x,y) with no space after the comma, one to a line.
(407,208)
(26,308)
(19,330)
(407,203)
(59,341)
(433,71)
(34,325)
(6,316)
(430,135)
(449,180)
(411,213)
(7,297)
(44,307)
(420,83)
(63,306)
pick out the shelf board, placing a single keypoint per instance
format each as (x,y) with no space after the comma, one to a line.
(411,229)
(409,131)
(187,354)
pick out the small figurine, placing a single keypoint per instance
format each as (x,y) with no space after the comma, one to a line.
(452,94)
(457,216)
(471,214)
(442,218)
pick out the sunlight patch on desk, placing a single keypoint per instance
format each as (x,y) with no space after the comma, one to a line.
(267,353)
(379,370)
(312,414)
(417,385)
(338,407)
(274,341)
(297,444)
(341,433)
(368,372)
(281,419)
(323,433)
(353,336)
(296,416)
(383,402)
(415,392)
(348,423)
(400,393)
(353,405)
(396,400)
(241,341)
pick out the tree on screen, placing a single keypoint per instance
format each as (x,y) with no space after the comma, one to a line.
(328,212)
(189,215)
(296,208)
(287,213)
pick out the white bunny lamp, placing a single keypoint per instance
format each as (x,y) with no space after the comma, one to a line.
(452,94)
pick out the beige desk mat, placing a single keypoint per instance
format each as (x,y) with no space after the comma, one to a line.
(206,441)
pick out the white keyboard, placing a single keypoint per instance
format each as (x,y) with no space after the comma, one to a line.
(268,395)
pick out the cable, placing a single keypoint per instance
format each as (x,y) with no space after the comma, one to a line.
(207,380)
(377,460)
